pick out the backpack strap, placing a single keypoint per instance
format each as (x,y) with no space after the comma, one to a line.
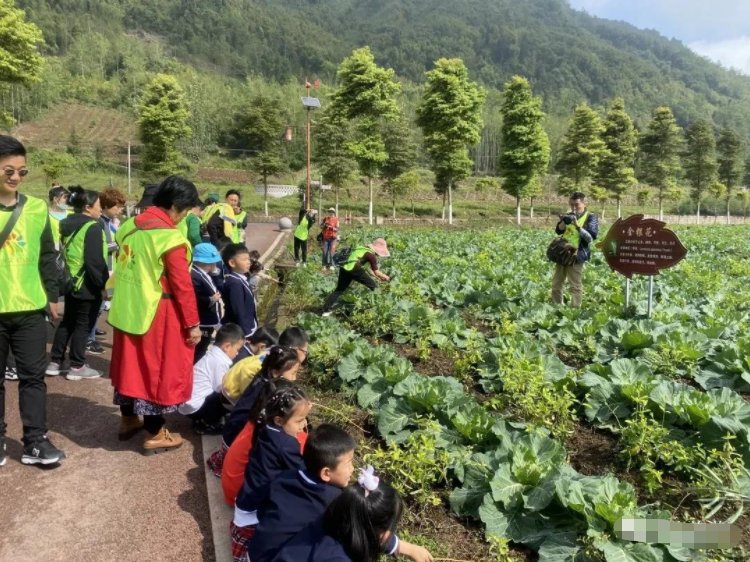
(15,215)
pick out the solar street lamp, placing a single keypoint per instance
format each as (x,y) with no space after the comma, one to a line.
(310,104)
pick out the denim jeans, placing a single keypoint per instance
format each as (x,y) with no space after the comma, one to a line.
(329,247)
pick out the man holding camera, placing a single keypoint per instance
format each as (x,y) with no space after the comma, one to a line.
(579,228)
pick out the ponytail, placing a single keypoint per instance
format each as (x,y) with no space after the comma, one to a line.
(279,401)
(359,516)
(81,198)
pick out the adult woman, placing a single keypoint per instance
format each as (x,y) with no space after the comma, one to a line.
(58,210)
(155,316)
(354,270)
(82,243)
(329,234)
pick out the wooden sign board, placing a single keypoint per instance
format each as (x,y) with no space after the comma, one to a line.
(639,246)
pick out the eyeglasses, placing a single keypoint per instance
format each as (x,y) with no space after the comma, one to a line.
(10,172)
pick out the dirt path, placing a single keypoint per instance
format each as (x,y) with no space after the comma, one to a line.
(106,501)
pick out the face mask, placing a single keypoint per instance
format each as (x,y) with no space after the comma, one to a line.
(64,206)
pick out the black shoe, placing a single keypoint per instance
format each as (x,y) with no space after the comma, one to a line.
(94,348)
(42,452)
(3,458)
(99,333)
(203,428)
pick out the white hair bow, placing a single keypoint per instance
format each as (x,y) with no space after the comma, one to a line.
(367,479)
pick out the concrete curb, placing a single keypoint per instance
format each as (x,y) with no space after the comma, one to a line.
(221,514)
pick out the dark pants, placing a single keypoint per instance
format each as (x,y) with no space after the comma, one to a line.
(300,246)
(357,274)
(25,333)
(207,334)
(74,329)
(328,246)
(212,410)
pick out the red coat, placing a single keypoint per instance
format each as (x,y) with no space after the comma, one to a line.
(158,365)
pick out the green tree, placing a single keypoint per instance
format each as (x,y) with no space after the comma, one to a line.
(402,156)
(367,94)
(20,61)
(699,160)
(730,151)
(600,196)
(743,196)
(614,170)
(660,153)
(450,115)
(54,164)
(162,120)
(581,149)
(525,147)
(332,135)
(258,128)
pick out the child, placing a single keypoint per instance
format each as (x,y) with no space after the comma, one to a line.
(281,365)
(297,499)
(206,404)
(256,345)
(293,338)
(356,527)
(302,233)
(276,450)
(208,297)
(239,301)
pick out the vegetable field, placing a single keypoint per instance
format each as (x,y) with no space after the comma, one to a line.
(548,424)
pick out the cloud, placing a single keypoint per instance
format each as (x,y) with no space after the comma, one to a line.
(731,53)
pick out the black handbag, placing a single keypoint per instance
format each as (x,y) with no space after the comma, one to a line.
(562,252)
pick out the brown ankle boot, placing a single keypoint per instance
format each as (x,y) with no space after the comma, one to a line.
(129,426)
(161,442)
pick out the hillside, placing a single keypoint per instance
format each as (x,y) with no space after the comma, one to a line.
(568,55)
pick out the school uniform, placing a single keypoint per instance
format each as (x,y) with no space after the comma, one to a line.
(312,545)
(239,303)
(274,452)
(209,311)
(206,403)
(294,501)
(240,413)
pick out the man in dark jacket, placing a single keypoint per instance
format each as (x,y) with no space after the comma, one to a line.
(580,228)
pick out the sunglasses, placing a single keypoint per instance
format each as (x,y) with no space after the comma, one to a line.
(10,172)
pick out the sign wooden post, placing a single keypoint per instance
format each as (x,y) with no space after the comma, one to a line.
(640,246)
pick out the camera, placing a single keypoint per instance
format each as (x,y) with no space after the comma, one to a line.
(568,219)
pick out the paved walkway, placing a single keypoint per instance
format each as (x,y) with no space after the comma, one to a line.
(106,501)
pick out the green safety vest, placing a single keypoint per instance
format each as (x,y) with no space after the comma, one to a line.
(21,288)
(354,257)
(54,224)
(74,250)
(302,231)
(237,234)
(571,232)
(138,273)
(182,226)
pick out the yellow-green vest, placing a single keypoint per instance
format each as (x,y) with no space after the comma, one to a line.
(138,273)
(571,232)
(354,257)
(54,224)
(182,226)
(21,286)
(75,251)
(237,234)
(302,231)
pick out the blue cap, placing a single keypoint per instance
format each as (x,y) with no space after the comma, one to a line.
(206,253)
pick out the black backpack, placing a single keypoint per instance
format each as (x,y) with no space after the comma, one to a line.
(341,257)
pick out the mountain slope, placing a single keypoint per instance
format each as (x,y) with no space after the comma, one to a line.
(569,56)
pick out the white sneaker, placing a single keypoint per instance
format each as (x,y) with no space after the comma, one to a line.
(82,372)
(53,369)
(326,314)
(11,374)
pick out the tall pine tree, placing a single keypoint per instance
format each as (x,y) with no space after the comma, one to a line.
(581,150)
(525,147)
(162,119)
(660,154)
(731,165)
(450,116)
(699,160)
(615,170)
(367,94)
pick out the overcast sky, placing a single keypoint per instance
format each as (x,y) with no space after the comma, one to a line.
(718,29)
